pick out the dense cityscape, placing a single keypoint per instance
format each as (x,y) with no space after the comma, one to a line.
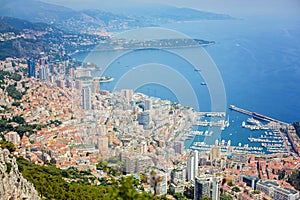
(58,126)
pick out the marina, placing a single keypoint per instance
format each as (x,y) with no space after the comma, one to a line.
(211,114)
(263,136)
(221,123)
(202,146)
(210,120)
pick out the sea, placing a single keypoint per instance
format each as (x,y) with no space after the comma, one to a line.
(258,60)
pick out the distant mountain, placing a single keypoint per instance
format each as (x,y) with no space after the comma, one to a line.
(18,25)
(106,17)
(20,38)
(5,27)
(165,13)
(89,21)
(37,11)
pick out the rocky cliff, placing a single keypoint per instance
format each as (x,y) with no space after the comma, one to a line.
(12,184)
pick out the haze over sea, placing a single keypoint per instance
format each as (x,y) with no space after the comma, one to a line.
(259,63)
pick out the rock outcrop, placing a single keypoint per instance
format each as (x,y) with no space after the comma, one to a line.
(12,184)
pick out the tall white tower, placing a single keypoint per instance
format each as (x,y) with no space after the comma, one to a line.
(196,161)
(86,98)
(190,168)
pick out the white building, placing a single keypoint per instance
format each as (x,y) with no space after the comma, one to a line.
(158,180)
(207,185)
(12,137)
(86,98)
(273,190)
(192,166)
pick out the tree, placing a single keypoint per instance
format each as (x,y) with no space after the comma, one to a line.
(281,174)
(18,119)
(127,190)
(16,103)
(225,197)
(206,198)
(102,165)
(50,184)
(179,196)
(13,92)
(8,167)
(230,183)
(256,192)
(7,145)
(16,77)
(143,178)
(236,189)
(294,179)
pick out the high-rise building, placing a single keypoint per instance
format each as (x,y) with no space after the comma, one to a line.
(42,61)
(51,69)
(178,175)
(78,85)
(96,85)
(86,98)
(102,129)
(179,147)
(143,163)
(60,83)
(215,153)
(147,104)
(127,94)
(72,73)
(196,163)
(31,68)
(103,143)
(250,181)
(192,166)
(158,180)
(207,185)
(43,73)
(144,119)
(130,164)
(190,171)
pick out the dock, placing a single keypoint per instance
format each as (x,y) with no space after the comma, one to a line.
(257,115)
(211,114)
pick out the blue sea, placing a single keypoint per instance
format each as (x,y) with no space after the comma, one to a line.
(259,62)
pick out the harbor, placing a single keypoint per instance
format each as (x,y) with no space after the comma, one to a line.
(227,148)
(244,133)
(210,119)
(256,115)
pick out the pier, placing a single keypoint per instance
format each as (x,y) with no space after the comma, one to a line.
(211,114)
(257,115)
(221,123)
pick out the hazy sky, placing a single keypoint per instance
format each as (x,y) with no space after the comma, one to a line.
(233,7)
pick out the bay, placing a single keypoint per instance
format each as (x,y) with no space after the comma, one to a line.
(258,60)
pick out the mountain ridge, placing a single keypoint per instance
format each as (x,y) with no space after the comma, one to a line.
(95,20)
